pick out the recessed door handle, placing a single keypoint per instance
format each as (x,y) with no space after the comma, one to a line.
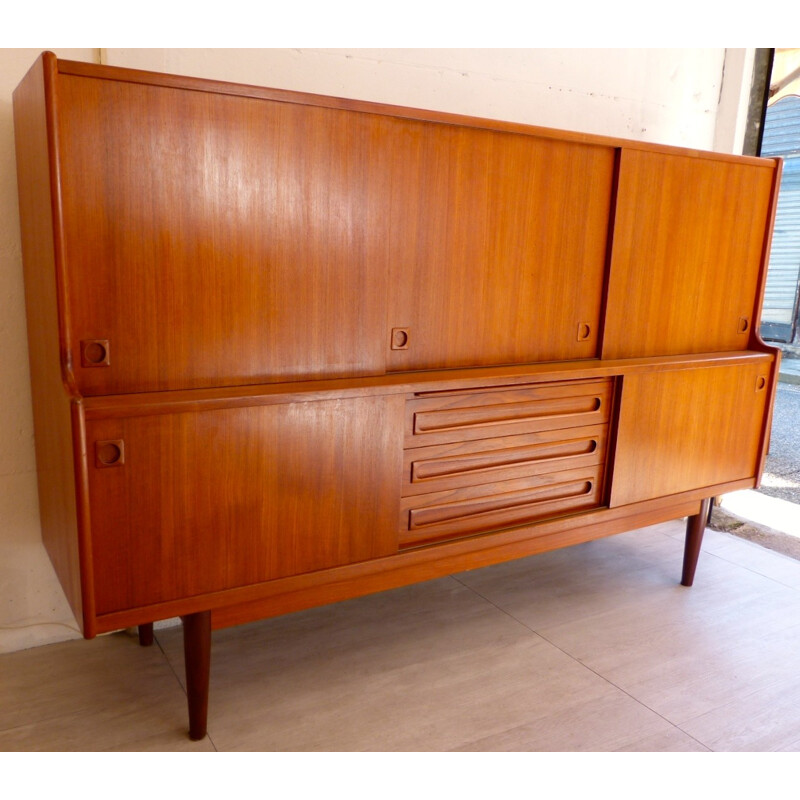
(399,338)
(109,453)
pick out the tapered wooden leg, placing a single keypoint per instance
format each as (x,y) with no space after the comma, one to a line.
(695,528)
(197,655)
(146,634)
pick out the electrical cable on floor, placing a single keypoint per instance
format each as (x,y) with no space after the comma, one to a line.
(38,625)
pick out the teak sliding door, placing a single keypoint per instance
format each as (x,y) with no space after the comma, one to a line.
(496,246)
(688,244)
(218,240)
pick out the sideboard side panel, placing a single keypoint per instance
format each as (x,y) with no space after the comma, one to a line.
(33,127)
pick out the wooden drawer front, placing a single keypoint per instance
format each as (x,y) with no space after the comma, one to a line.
(446,417)
(448,466)
(477,509)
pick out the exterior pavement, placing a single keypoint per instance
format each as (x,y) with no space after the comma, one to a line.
(770,516)
(782,470)
(790,370)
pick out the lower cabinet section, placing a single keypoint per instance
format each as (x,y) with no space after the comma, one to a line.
(187,499)
(200,502)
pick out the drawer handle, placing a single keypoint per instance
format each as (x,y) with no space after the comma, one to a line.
(584,331)
(743,325)
(109,453)
(761,383)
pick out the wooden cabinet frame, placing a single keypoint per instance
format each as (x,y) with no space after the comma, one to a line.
(289,349)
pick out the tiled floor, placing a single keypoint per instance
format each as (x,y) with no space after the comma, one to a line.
(592,648)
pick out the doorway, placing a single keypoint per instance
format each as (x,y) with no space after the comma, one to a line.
(770,515)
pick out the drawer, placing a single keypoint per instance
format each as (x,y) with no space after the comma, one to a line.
(478,509)
(441,417)
(448,466)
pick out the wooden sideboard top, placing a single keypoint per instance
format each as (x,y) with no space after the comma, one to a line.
(103,71)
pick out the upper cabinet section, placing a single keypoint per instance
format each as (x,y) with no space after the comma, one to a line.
(213,239)
(207,234)
(497,246)
(688,245)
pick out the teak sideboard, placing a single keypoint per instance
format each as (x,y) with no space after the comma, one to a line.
(289,349)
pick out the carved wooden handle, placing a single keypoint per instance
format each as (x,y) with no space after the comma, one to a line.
(480,506)
(95,353)
(109,453)
(399,338)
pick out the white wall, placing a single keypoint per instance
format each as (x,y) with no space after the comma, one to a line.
(668,96)
(32,607)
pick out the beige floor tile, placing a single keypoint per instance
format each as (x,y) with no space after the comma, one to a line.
(753,557)
(622,583)
(611,722)
(592,648)
(583,581)
(673,740)
(88,695)
(684,652)
(765,720)
(426,668)
(792,747)
(691,685)
(393,628)
(168,742)
(119,727)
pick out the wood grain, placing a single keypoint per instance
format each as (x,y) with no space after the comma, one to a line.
(695,528)
(686,255)
(197,661)
(426,563)
(417,564)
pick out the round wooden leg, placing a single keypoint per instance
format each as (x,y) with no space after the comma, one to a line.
(695,528)
(197,656)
